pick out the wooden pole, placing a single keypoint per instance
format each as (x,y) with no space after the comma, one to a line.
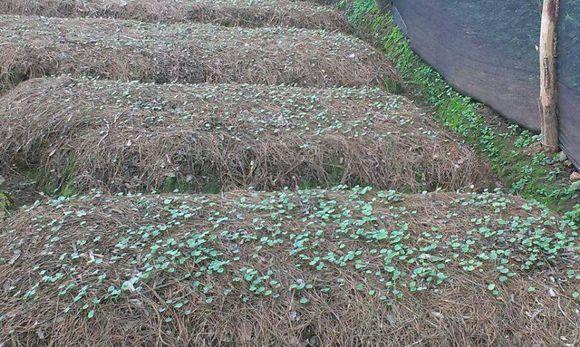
(549,75)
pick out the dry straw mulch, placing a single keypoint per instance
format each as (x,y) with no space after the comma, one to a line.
(128,136)
(132,50)
(249,13)
(325,268)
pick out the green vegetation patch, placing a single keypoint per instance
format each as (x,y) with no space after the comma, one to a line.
(513,152)
(249,13)
(132,50)
(6,203)
(335,267)
(79,134)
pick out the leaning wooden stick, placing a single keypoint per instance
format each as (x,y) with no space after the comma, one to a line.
(549,75)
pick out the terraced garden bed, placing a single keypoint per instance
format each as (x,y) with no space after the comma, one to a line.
(128,136)
(249,13)
(132,50)
(316,267)
(106,260)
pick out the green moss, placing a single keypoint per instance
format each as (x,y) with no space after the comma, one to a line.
(49,184)
(6,204)
(174,184)
(65,186)
(524,171)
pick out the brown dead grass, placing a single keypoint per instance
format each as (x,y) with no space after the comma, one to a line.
(249,13)
(320,2)
(129,136)
(132,50)
(173,295)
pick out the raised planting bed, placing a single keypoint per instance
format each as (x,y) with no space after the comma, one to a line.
(309,267)
(132,50)
(250,13)
(128,136)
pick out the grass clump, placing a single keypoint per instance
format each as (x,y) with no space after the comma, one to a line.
(336,267)
(132,50)
(513,152)
(248,13)
(130,136)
